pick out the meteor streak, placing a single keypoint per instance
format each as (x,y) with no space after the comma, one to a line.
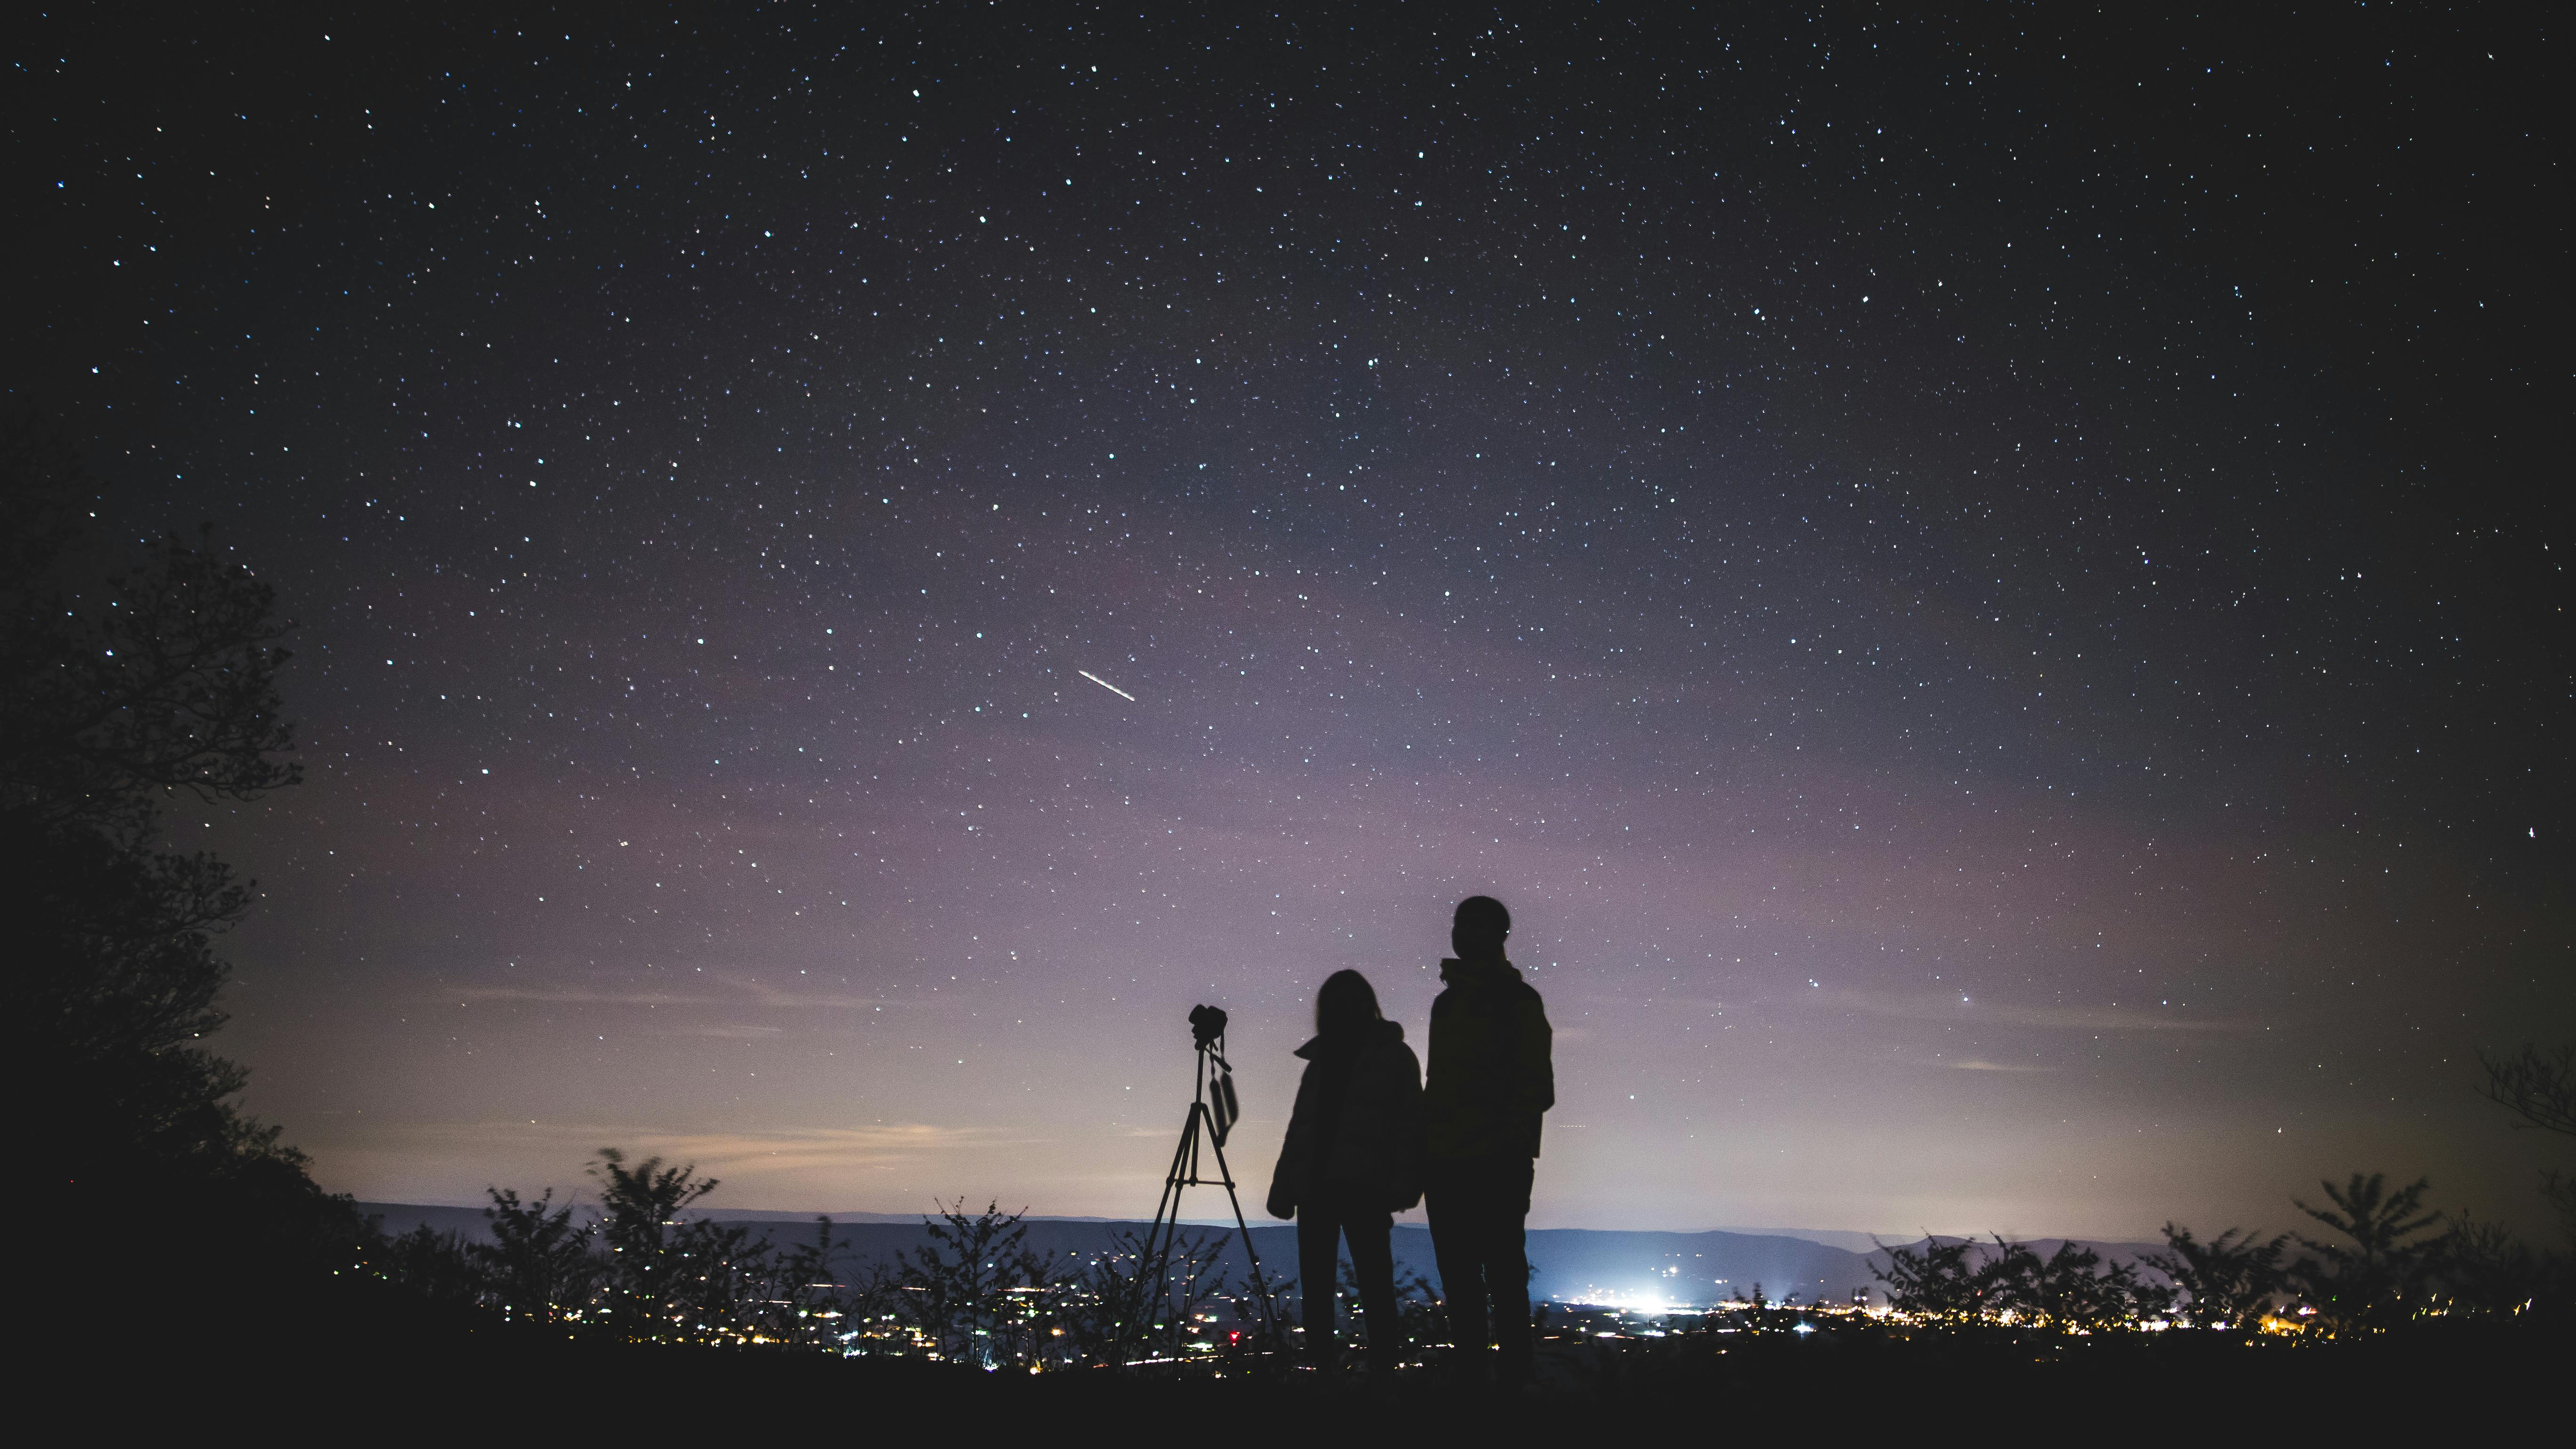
(1105,684)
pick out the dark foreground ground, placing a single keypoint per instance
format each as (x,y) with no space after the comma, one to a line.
(370,1377)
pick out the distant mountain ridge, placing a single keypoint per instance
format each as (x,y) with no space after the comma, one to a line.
(1830,1237)
(1573,1265)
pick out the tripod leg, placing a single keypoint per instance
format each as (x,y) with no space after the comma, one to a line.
(1155,1253)
(1169,1204)
(1260,1285)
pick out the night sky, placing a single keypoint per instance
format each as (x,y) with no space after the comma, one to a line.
(1991,598)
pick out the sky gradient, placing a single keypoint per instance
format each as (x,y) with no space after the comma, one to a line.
(1988,598)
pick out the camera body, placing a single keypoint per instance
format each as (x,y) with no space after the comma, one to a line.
(1207,1023)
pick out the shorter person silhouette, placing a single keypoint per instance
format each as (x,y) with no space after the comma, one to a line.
(1351,1162)
(1491,1081)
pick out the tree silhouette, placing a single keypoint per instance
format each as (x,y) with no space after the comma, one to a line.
(2229,1280)
(2485,1270)
(431,1265)
(1957,1283)
(860,1311)
(970,1289)
(648,1256)
(2362,1283)
(793,1298)
(642,1273)
(127,677)
(1934,1283)
(2539,1086)
(1105,1298)
(1753,1311)
(1193,1277)
(539,1264)
(2008,1282)
(2067,1293)
(716,1282)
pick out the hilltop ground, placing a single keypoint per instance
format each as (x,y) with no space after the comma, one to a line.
(435,1375)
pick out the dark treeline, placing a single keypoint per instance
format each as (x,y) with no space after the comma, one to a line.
(2378,1260)
(637,1271)
(2377,1263)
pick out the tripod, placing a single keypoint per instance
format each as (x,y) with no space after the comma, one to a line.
(1212,1114)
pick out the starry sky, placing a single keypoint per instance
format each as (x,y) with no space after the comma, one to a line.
(1990,596)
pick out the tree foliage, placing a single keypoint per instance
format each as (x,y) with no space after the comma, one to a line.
(538,1264)
(439,1267)
(1104,1300)
(2379,1259)
(2228,1281)
(128,676)
(636,1269)
(2538,1085)
(663,1273)
(2486,1271)
(973,1289)
(1191,1277)
(2068,1291)
(792,1297)
(1935,1283)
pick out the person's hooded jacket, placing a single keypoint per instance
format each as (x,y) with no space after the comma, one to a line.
(1491,1078)
(1355,1135)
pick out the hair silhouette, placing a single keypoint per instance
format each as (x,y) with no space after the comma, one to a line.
(1479,927)
(1345,1003)
(1485,915)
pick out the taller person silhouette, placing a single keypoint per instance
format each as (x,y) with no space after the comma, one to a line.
(1489,1082)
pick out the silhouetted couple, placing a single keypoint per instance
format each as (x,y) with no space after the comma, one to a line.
(1369,1138)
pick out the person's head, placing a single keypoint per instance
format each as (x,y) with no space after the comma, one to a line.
(1345,1004)
(1481,927)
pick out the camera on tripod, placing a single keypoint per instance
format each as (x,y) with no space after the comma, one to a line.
(1214,1110)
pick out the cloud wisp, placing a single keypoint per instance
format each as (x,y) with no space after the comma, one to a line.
(1967,1011)
(716,1152)
(570,996)
(739,991)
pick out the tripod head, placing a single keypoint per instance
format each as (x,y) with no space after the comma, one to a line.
(1207,1026)
(1216,1075)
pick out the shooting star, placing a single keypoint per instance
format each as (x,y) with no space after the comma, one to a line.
(1105,684)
